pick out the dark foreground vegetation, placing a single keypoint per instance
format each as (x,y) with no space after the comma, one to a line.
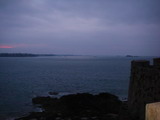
(81,106)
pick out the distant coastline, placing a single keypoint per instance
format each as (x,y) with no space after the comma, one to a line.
(29,55)
(41,55)
(17,55)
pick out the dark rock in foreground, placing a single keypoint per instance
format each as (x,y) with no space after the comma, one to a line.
(81,106)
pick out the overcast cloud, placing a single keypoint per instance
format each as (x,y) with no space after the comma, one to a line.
(86,27)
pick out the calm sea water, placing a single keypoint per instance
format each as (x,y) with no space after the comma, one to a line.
(23,78)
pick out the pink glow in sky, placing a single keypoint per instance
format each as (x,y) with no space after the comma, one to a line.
(13,46)
(23,46)
(6,46)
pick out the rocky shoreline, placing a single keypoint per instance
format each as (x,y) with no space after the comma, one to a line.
(80,106)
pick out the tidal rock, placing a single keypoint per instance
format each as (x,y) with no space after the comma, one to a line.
(77,106)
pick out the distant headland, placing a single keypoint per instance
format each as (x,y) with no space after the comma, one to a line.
(17,55)
(29,55)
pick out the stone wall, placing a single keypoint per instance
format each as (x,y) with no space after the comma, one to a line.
(144,86)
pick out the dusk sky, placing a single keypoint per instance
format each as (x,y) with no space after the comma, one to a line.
(83,27)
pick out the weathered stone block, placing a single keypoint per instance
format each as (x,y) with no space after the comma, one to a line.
(153,111)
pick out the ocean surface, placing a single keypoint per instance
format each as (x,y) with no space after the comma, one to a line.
(22,78)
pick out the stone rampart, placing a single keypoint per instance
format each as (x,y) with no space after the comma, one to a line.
(144,86)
